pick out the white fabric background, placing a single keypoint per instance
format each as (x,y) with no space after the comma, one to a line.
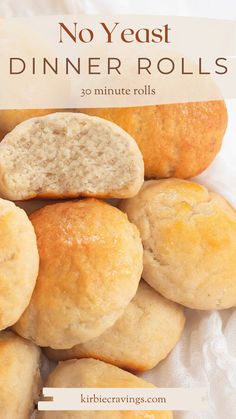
(206,354)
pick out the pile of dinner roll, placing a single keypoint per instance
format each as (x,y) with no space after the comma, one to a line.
(101,286)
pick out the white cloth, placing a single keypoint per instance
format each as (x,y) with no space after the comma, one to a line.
(206,354)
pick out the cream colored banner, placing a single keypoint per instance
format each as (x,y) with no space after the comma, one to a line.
(114,61)
(151,399)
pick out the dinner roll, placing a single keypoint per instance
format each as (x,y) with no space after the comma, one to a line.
(91,373)
(18,262)
(145,334)
(178,140)
(90,267)
(9,118)
(19,376)
(189,239)
(69,155)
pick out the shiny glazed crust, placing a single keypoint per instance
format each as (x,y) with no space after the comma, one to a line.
(189,239)
(90,267)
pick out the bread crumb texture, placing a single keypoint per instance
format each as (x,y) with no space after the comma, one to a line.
(69,155)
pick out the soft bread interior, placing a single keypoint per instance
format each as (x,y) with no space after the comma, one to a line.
(69,154)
